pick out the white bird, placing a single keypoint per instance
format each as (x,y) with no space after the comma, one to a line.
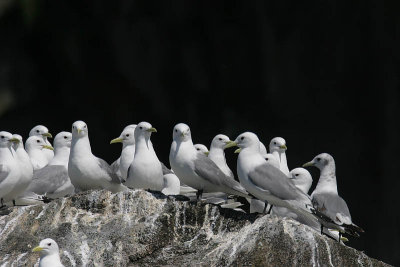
(42,132)
(202,148)
(264,181)
(172,185)
(195,169)
(263,150)
(145,170)
(53,180)
(217,154)
(277,147)
(10,171)
(25,167)
(302,179)
(325,197)
(127,138)
(49,253)
(35,146)
(85,170)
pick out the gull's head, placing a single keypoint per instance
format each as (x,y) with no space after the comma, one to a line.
(246,140)
(130,126)
(272,160)
(263,150)
(144,129)
(181,133)
(220,141)
(301,178)
(40,130)
(79,129)
(127,137)
(6,139)
(62,139)
(320,161)
(277,144)
(36,142)
(47,247)
(18,141)
(200,148)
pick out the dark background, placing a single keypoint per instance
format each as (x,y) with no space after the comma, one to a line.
(321,74)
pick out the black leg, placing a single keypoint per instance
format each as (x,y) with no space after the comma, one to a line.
(270,208)
(265,207)
(199,194)
(14,202)
(322,229)
(340,237)
(1,201)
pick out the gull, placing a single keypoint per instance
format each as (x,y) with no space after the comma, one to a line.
(195,169)
(263,150)
(49,253)
(53,180)
(202,148)
(277,147)
(325,197)
(35,147)
(10,171)
(217,154)
(145,170)
(43,132)
(127,138)
(26,169)
(85,170)
(266,182)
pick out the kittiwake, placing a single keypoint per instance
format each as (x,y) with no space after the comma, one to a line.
(35,147)
(43,133)
(277,147)
(49,253)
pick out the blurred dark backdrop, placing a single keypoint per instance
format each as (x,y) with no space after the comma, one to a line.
(321,74)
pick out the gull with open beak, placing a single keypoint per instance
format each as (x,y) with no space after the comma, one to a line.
(42,132)
(35,147)
(278,148)
(127,138)
(195,169)
(49,253)
(85,170)
(10,172)
(145,170)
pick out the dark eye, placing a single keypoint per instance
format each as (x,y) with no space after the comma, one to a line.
(37,131)
(49,244)
(267,159)
(242,138)
(220,139)
(73,127)
(2,136)
(318,159)
(198,149)
(37,141)
(65,137)
(140,128)
(274,143)
(176,130)
(84,126)
(296,174)
(127,135)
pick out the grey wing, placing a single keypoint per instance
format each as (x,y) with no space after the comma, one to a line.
(115,166)
(104,166)
(4,171)
(165,170)
(271,179)
(330,205)
(207,169)
(48,179)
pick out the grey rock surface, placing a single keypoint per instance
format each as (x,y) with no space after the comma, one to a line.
(138,228)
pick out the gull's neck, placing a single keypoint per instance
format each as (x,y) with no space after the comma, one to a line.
(81,147)
(50,260)
(217,155)
(179,147)
(61,156)
(127,156)
(143,143)
(327,180)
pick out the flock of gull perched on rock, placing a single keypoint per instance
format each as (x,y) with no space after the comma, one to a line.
(40,172)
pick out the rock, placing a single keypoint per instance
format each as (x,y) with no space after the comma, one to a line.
(138,228)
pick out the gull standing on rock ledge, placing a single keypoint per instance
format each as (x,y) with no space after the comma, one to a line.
(145,170)
(42,132)
(217,154)
(195,169)
(85,169)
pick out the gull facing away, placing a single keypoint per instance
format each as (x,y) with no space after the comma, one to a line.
(202,148)
(42,132)
(325,197)
(278,148)
(35,147)
(49,253)
(53,180)
(145,170)
(10,172)
(217,153)
(172,184)
(127,138)
(85,170)
(195,169)
(26,169)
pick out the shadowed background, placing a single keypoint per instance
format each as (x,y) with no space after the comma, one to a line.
(321,74)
